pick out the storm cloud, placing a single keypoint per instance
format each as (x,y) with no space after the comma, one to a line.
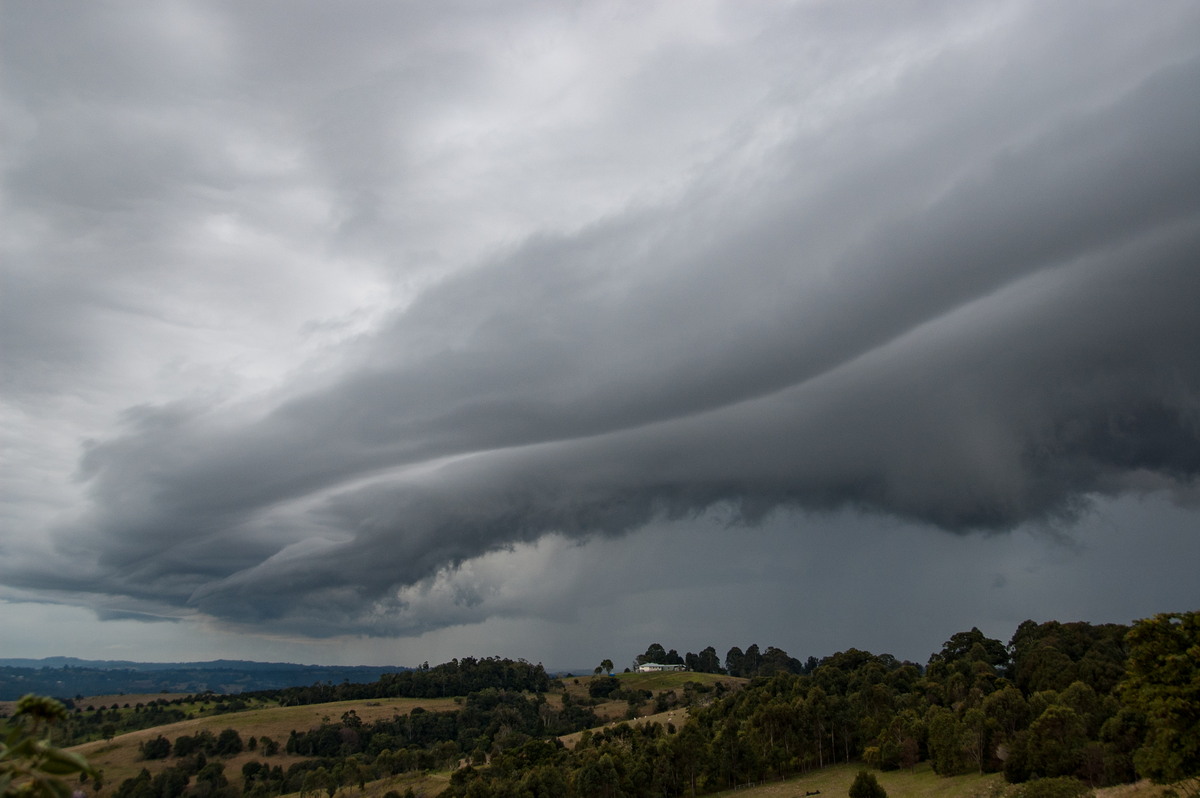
(305,312)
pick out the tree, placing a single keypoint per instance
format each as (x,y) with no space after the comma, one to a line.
(229,743)
(603,686)
(866,786)
(1051,655)
(751,660)
(962,646)
(654,653)
(945,741)
(976,729)
(158,748)
(1056,741)
(606,665)
(1008,710)
(733,661)
(707,661)
(1163,682)
(775,660)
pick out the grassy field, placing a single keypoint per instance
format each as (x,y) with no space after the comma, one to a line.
(673,680)
(654,682)
(425,784)
(119,757)
(577,688)
(836,780)
(1142,789)
(676,716)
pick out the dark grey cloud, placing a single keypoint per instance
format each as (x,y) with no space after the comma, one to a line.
(948,276)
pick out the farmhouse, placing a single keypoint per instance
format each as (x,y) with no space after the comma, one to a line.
(654,667)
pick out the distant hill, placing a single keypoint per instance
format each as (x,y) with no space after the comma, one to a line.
(65,677)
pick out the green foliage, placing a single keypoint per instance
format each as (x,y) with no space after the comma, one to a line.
(704,662)
(1059,787)
(654,653)
(1009,710)
(1052,655)
(970,647)
(866,786)
(1163,683)
(158,748)
(29,764)
(459,677)
(202,741)
(604,686)
(752,662)
(945,742)
(1056,742)
(229,743)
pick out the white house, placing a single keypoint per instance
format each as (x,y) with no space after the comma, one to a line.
(653,667)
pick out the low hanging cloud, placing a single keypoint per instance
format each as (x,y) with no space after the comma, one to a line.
(972,314)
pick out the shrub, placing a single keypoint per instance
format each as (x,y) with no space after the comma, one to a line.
(1060,787)
(866,786)
(603,687)
(158,748)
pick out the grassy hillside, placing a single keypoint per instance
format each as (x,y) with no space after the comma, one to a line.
(673,680)
(919,783)
(675,716)
(654,683)
(119,758)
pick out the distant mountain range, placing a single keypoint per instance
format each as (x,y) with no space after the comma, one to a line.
(67,677)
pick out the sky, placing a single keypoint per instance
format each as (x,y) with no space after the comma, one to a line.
(390,332)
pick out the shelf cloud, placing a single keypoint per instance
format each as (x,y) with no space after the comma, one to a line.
(303,316)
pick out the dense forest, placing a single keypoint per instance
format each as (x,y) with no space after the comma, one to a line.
(1095,704)
(1103,704)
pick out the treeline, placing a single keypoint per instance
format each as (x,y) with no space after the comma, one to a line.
(747,664)
(86,722)
(91,723)
(1101,704)
(454,678)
